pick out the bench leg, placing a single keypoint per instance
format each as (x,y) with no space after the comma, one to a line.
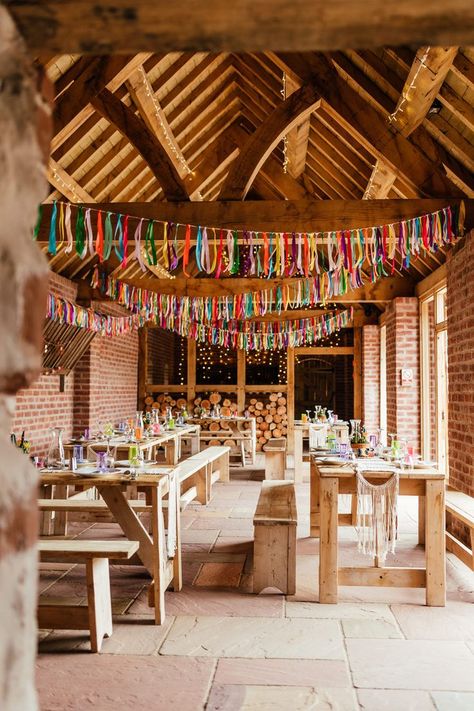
(98,600)
(224,467)
(314,515)
(274,564)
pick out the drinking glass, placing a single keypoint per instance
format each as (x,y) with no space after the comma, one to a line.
(78,453)
(101,461)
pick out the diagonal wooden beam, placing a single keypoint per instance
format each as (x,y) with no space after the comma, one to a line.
(427,74)
(72,107)
(153,115)
(151,150)
(380,183)
(296,139)
(65,185)
(369,127)
(267,136)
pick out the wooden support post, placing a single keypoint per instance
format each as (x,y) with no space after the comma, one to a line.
(142,366)
(241,360)
(290,398)
(191,374)
(358,373)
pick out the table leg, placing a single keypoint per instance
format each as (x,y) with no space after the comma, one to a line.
(177,560)
(298,454)
(171,451)
(421,520)
(158,562)
(60,517)
(195,443)
(328,540)
(46,518)
(314,513)
(435,550)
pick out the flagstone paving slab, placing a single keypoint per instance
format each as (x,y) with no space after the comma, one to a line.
(255,637)
(455,621)
(410,664)
(342,611)
(453,700)
(190,535)
(280,698)
(133,682)
(283,672)
(223,575)
(223,603)
(390,700)
(371,629)
(136,636)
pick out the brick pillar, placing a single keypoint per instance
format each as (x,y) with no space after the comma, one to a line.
(460,303)
(403,353)
(371,378)
(25,122)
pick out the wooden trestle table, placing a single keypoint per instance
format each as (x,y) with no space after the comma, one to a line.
(327,482)
(164,569)
(170,440)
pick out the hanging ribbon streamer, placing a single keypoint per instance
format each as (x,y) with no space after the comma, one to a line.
(67,312)
(99,241)
(52,230)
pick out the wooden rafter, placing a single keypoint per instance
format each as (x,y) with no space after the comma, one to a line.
(380,183)
(153,115)
(427,74)
(151,150)
(266,137)
(369,127)
(297,138)
(65,185)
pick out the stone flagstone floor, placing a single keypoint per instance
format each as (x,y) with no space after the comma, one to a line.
(224,649)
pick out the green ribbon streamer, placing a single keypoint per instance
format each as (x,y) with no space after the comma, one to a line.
(108,235)
(80,231)
(150,244)
(52,230)
(38,221)
(236,265)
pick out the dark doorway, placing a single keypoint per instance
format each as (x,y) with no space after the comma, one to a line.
(326,381)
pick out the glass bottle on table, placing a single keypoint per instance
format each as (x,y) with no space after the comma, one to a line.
(55,456)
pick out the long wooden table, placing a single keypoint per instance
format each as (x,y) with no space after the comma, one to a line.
(164,569)
(170,440)
(328,482)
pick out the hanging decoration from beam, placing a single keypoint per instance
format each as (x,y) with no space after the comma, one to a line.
(67,312)
(249,335)
(218,252)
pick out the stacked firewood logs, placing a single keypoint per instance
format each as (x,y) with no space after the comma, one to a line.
(271,417)
(221,428)
(162,401)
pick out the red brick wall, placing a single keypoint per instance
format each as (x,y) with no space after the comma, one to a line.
(103,385)
(403,401)
(106,378)
(42,405)
(371,378)
(460,306)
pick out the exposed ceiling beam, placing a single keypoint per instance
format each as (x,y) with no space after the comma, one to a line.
(72,107)
(427,74)
(153,115)
(380,183)
(297,138)
(121,27)
(368,126)
(280,215)
(65,185)
(379,292)
(267,136)
(151,150)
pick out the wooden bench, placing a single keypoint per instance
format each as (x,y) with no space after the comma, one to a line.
(461,507)
(274,562)
(97,615)
(275,458)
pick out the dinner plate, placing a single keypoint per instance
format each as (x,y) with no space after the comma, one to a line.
(425,465)
(331,461)
(126,463)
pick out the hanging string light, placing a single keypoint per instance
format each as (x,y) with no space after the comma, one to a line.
(405,97)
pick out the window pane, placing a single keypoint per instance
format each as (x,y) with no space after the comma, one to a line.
(167,358)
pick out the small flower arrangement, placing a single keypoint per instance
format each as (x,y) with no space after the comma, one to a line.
(22,443)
